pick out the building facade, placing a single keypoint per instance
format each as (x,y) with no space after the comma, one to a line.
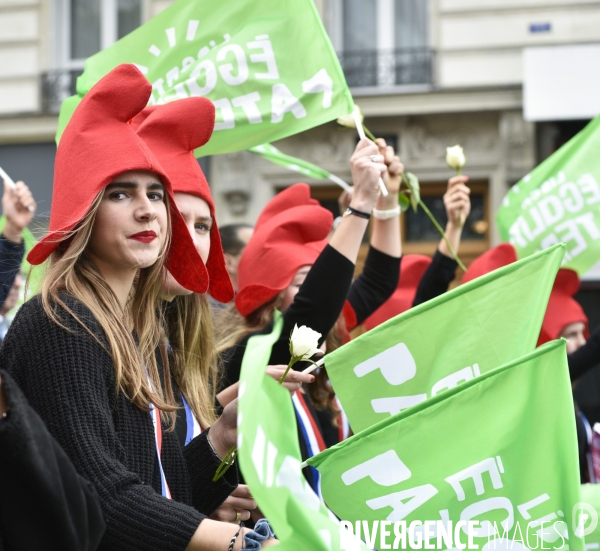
(427,74)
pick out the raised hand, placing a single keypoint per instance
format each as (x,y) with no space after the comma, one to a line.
(457,201)
(367,166)
(18,206)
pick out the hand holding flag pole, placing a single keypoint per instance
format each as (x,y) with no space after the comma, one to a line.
(361,134)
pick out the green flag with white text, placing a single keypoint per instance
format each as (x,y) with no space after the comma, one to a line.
(500,450)
(270,460)
(445,341)
(559,201)
(268,67)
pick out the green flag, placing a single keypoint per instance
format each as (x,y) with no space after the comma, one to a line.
(499,449)
(270,459)
(590,499)
(268,67)
(271,153)
(559,201)
(441,343)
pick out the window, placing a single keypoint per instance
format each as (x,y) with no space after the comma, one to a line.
(93,25)
(419,235)
(382,42)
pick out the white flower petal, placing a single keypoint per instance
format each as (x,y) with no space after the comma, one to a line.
(304,342)
(455,157)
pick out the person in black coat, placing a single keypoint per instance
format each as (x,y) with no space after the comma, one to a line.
(44,502)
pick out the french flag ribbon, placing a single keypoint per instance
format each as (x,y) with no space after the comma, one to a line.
(155,415)
(311,434)
(343,423)
(193,427)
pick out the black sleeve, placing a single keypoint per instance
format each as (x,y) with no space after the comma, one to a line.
(45,504)
(586,357)
(202,464)
(374,285)
(317,305)
(436,279)
(74,393)
(11,256)
(319,301)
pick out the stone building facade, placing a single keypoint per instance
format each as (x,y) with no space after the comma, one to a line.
(426,73)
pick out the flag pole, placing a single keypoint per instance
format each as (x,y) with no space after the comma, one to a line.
(314,366)
(362,135)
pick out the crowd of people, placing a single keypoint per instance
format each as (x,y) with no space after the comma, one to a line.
(119,378)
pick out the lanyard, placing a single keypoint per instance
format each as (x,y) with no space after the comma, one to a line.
(311,434)
(155,416)
(193,428)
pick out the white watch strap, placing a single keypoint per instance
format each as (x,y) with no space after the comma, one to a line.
(386,214)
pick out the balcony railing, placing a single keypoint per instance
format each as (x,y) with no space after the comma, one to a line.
(56,86)
(362,68)
(388,67)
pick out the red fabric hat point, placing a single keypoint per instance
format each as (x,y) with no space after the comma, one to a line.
(98,145)
(497,257)
(173,131)
(562,308)
(293,196)
(412,268)
(279,247)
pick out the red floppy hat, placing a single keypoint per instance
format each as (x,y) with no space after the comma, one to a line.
(284,240)
(173,131)
(562,308)
(412,268)
(498,256)
(98,145)
(294,196)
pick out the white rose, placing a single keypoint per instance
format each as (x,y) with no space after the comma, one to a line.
(348,120)
(455,157)
(304,343)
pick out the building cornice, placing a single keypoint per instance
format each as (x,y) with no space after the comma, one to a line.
(390,103)
(28,128)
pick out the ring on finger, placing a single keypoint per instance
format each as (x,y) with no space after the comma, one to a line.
(374,158)
(238,516)
(455,196)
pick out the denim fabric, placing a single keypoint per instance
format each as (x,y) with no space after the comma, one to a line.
(262,531)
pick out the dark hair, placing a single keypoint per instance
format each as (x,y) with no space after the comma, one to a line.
(230,238)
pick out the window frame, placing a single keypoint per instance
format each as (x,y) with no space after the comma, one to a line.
(469,249)
(108,30)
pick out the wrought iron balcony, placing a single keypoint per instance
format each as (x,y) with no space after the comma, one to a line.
(56,86)
(388,67)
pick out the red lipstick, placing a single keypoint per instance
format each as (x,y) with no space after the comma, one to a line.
(144,236)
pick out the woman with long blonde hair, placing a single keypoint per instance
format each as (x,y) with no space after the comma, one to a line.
(88,352)
(188,316)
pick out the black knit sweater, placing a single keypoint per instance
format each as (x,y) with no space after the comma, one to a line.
(68,378)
